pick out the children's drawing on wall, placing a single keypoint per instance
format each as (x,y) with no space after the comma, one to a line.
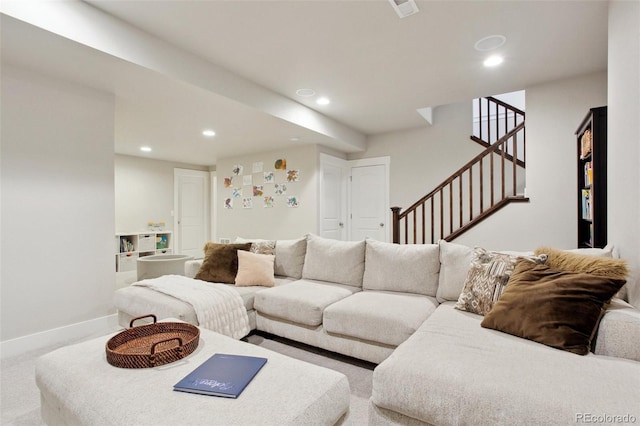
(293,175)
(280,189)
(237,169)
(247,180)
(268,202)
(247,203)
(257,167)
(293,201)
(228,203)
(280,164)
(228,182)
(257,191)
(269,177)
(237,192)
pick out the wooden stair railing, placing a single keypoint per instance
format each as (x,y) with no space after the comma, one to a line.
(495,120)
(464,193)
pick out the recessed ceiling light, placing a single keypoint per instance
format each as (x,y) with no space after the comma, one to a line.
(489,43)
(305,93)
(323,101)
(493,61)
(208,133)
(145,149)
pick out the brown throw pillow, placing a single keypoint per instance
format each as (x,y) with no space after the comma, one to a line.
(574,262)
(220,264)
(553,307)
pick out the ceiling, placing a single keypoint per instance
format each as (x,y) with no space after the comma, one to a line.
(376,68)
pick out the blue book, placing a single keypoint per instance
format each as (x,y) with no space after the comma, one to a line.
(222,375)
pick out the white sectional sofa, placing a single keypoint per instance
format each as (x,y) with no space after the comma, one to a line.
(393,305)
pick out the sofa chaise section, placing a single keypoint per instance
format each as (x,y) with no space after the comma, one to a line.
(453,372)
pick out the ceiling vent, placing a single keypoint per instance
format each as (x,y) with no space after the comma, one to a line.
(404,8)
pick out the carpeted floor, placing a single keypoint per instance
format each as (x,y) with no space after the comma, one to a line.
(20,398)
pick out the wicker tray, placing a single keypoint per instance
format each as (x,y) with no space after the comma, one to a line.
(152,345)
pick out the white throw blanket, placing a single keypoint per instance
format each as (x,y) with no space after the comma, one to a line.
(218,307)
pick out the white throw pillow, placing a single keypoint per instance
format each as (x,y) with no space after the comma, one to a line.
(335,261)
(407,268)
(255,269)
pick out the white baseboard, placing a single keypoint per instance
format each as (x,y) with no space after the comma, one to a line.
(59,336)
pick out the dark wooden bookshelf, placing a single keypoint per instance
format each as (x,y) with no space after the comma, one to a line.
(591,139)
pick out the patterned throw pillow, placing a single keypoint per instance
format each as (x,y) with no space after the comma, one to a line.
(487,278)
(263,247)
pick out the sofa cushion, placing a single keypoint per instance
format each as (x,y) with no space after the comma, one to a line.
(619,331)
(220,263)
(300,302)
(290,257)
(452,371)
(377,316)
(455,261)
(554,307)
(255,269)
(408,268)
(488,275)
(335,261)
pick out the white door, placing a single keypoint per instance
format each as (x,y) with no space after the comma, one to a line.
(191,215)
(333,197)
(369,199)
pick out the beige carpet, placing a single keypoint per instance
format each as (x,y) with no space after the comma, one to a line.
(20,398)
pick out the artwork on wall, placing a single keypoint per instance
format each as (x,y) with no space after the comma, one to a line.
(280,189)
(293,201)
(280,164)
(257,167)
(293,175)
(264,187)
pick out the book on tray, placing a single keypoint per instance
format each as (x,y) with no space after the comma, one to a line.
(223,375)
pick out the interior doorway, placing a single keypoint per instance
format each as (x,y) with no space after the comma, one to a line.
(354,198)
(191,211)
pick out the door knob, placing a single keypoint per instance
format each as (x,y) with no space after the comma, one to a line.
(341,224)
(381,225)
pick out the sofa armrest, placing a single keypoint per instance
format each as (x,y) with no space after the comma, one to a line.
(619,331)
(191,267)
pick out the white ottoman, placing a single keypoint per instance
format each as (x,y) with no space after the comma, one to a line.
(78,386)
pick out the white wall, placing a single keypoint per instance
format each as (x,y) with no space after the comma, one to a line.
(57,204)
(144,192)
(424,157)
(279,222)
(624,136)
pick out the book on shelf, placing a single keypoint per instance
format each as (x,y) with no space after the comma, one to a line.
(588,174)
(224,375)
(587,211)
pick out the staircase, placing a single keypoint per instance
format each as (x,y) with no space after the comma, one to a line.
(490,181)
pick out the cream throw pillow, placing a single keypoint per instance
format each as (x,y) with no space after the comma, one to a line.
(255,269)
